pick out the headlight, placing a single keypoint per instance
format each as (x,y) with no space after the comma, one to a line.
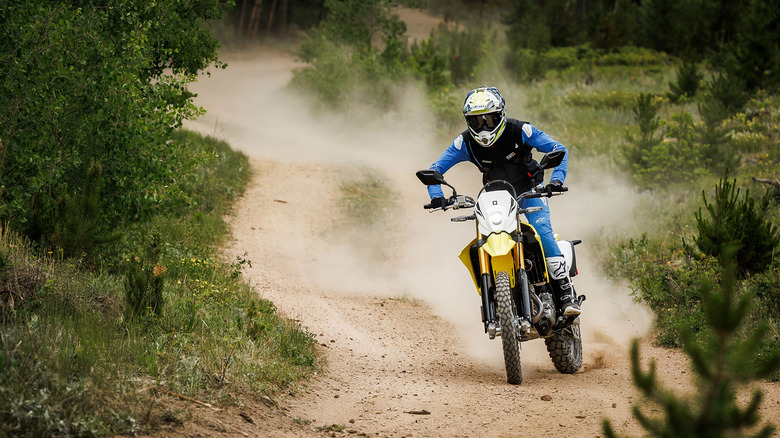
(496,218)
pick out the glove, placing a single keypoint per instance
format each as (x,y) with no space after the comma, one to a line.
(438,202)
(554,187)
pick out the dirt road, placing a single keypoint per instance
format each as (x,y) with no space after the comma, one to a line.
(401,331)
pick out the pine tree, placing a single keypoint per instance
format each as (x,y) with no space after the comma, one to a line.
(721,365)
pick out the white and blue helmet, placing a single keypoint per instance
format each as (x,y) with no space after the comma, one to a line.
(485,113)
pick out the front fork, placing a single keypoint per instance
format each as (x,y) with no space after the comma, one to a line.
(487,287)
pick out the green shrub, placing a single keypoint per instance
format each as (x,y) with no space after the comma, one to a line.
(74,363)
(667,281)
(79,223)
(425,62)
(688,81)
(96,82)
(661,162)
(631,56)
(728,94)
(721,362)
(739,222)
(144,282)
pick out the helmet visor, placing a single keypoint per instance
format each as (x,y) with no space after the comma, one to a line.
(484,122)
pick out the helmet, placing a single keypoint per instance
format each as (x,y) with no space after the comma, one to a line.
(484,110)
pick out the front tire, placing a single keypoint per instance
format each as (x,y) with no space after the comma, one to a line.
(565,349)
(507,315)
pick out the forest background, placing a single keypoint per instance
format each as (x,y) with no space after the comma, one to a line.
(110,278)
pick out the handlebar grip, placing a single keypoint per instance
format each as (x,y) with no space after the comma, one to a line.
(428,206)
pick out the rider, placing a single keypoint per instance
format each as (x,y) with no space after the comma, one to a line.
(501,148)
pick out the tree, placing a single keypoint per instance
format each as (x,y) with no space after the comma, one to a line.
(100,82)
(721,365)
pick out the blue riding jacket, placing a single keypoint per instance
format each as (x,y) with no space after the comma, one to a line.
(510,159)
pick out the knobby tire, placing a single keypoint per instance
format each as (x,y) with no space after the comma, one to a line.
(565,349)
(507,312)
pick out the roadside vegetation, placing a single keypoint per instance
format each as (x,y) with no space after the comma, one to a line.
(117,306)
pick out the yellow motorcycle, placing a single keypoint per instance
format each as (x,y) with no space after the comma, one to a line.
(507,265)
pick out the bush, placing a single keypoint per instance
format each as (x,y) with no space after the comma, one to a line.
(72,365)
(714,408)
(728,94)
(144,282)
(688,81)
(669,282)
(738,222)
(98,83)
(661,162)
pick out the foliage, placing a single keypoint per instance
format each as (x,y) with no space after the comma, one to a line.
(71,364)
(668,281)
(535,64)
(713,410)
(655,161)
(79,227)
(740,223)
(751,55)
(101,83)
(343,62)
(144,282)
(688,81)
(614,100)
(727,94)
(22,274)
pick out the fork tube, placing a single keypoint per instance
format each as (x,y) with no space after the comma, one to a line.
(522,280)
(488,312)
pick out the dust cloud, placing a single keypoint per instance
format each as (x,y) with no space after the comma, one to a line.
(249,107)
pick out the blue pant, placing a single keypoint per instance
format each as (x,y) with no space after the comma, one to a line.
(541,222)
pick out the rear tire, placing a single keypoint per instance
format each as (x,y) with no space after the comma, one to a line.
(507,315)
(565,349)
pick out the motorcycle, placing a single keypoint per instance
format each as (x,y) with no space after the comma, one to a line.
(506,262)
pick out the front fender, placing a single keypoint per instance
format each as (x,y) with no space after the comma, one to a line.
(501,247)
(499,244)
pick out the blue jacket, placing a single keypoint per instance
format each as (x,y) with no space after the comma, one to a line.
(508,158)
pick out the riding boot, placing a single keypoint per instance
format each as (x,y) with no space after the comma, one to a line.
(562,286)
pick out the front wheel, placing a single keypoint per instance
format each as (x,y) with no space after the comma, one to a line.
(507,315)
(565,349)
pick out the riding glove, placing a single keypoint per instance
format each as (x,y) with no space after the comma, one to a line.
(438,202)
(554,187)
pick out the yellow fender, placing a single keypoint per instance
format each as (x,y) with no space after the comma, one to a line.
(500,247)
(465,257)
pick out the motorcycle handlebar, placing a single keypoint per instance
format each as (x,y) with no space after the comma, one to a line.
(455,202)
(533,193)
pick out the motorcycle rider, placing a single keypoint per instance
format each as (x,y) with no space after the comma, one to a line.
(501,148)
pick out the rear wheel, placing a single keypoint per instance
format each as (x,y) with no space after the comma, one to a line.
(507,315)
(565,349)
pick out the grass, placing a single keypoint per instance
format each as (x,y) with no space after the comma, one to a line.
(73,364)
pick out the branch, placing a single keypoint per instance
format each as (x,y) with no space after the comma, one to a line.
(772,182)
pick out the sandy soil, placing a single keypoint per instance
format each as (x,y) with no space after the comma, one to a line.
(400,328)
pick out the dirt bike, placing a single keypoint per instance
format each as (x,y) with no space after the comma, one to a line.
(507,265)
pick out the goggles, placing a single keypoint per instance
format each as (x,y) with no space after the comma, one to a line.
(484,122)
